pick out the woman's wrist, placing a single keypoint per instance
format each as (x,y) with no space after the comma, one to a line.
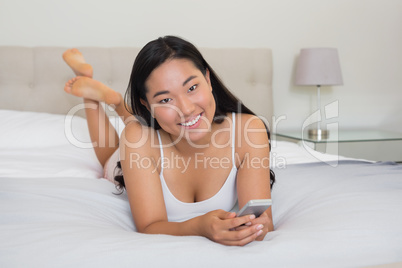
(196,226)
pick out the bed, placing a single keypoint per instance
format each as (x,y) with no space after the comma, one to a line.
(56,210)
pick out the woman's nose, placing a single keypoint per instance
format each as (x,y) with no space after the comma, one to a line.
(186,106)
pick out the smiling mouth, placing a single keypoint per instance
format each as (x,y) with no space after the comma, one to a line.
(192,122)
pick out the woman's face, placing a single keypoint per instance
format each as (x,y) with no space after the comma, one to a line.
(180,98)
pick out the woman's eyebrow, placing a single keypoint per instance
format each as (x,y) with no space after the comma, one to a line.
(161,92)
(189,79)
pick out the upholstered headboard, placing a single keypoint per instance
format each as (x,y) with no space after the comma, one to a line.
(32,79)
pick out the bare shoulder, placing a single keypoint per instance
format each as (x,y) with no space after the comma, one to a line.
(249,121)
(133,129)
(138,137)
(252,132)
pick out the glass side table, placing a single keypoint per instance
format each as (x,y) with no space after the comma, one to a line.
(377,145)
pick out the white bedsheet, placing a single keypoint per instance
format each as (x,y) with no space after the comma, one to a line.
(56,212)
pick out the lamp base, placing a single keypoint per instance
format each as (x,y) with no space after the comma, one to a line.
(318,134)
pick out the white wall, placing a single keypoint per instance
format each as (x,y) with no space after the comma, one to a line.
(367,33)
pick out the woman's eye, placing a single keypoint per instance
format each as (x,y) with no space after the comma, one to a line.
(192,88)
(165,100)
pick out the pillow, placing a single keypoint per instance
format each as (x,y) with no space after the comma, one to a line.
(21,129)
(46,145)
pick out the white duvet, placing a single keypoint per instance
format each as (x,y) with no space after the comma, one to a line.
(57,211)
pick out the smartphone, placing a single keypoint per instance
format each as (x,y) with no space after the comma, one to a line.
(255,206)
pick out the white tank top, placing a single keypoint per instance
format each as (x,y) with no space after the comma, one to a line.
(225,198)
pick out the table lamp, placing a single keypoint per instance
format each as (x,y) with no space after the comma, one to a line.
(318,67)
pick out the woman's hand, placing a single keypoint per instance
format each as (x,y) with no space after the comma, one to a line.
(224,228)
(264,220)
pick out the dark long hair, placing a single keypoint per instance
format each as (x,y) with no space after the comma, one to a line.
(153,55)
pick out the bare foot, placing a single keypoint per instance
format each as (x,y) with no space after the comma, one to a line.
(77,63)
(91,89)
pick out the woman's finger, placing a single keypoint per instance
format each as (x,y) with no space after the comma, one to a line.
(239,221)
(243,240)
(242,232)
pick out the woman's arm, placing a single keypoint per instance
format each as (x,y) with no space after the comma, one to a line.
(141,178)
(253,177)
(217,225)
(138,159)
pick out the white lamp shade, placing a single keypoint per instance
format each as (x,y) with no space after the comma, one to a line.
(318,66)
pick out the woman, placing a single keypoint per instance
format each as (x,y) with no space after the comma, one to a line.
(192,150)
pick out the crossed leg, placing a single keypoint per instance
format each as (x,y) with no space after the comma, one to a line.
(102,132)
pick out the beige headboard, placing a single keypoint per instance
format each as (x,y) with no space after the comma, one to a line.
(32,79)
